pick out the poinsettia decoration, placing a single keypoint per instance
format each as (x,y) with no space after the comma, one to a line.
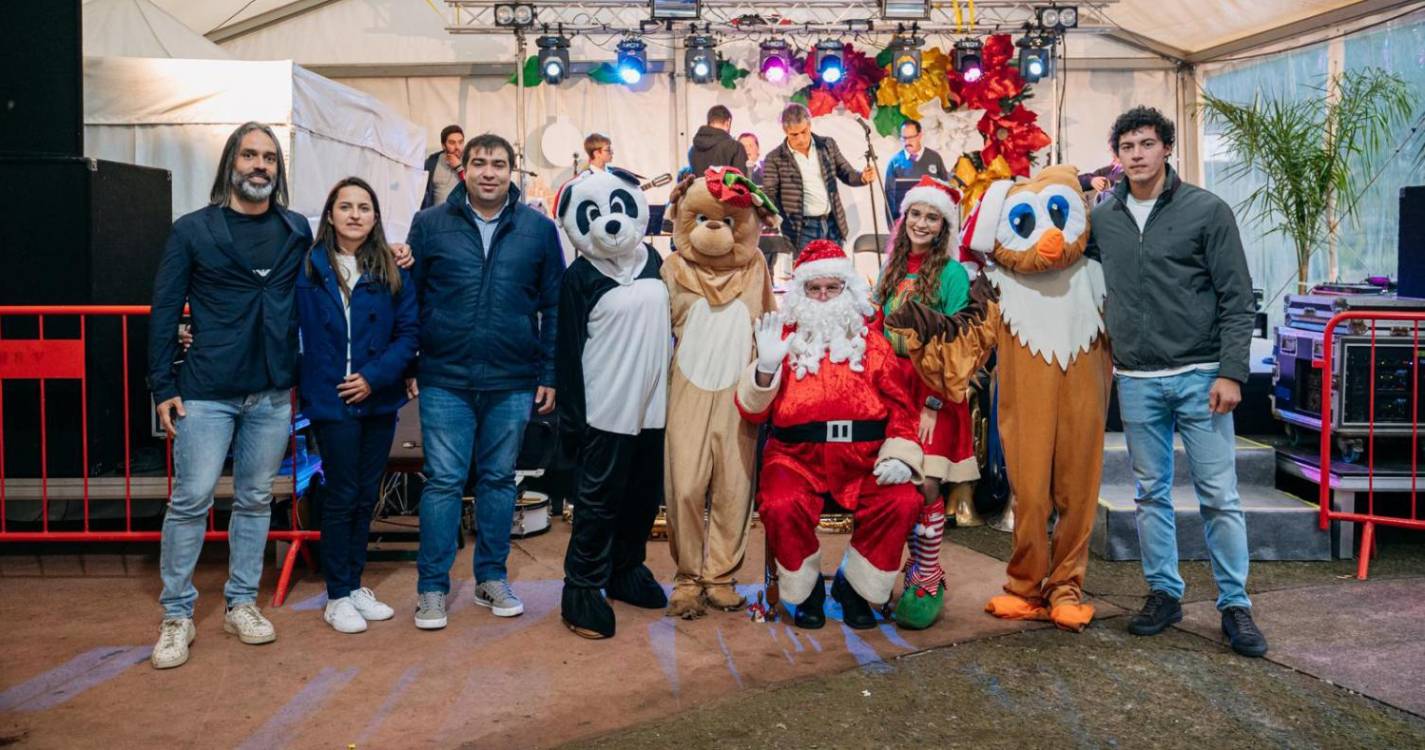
(854,91)
(1013,135)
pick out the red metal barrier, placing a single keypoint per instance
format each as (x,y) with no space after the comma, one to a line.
(44,359)
(1370,518)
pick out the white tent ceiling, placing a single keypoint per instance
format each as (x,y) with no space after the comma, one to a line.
(1178,28)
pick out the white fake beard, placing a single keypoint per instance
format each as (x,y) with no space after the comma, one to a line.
(836,327)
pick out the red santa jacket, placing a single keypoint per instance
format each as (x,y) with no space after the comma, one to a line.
(836,392)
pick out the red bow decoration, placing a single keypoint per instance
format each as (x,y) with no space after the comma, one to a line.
(1012,136)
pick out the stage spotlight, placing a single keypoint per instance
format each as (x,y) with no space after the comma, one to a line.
(905,58)
(905,10)
(967,59)
(632,60)
(553,58)
(1035,58)
(1057,18)
(516,15)
(699,61)
(776,64)
(830,65)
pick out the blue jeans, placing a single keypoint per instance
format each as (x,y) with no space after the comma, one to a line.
(1151,408)
(455,423)
(262,424)
(817,228)
(354,454)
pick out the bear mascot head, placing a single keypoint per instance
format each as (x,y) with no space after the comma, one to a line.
(717,219)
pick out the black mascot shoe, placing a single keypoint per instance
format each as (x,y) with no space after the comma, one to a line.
(855,612)
(811,614)
(638,587)
(586,613)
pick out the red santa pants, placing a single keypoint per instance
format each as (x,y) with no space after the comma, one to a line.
(790,508)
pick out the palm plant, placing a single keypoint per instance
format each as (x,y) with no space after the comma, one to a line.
(1316,154)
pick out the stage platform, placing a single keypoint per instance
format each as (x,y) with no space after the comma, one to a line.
(1280,526)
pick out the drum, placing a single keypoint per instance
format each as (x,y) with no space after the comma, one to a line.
(531,515)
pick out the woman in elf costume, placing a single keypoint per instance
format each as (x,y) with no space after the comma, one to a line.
(924,266)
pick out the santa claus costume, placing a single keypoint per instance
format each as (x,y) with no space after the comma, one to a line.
(932,276)
(842,425)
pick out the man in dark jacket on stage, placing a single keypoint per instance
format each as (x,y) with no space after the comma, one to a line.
(714,146)
(800,177)
(487,273)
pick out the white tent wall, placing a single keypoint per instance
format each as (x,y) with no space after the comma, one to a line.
(176,115)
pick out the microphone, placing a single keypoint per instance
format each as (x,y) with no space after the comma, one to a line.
(525,172)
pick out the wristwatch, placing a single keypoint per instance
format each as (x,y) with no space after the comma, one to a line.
(933,403)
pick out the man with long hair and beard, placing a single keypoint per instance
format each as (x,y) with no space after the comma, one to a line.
(842,424)
(921,267)
(234,263)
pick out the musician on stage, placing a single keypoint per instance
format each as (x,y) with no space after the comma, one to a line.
(800,176)
(909,164)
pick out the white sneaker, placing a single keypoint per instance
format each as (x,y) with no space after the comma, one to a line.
(365,603)
(249,625)
(173,639)
(341,614)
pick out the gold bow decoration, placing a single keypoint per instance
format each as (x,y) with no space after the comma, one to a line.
(933,84)
(974,182)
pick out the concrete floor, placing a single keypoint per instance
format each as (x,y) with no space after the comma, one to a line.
(79,629)
(1344,671)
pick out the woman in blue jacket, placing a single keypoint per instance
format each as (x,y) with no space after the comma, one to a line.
(359,332)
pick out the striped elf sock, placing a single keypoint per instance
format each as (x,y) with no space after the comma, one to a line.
(923,568)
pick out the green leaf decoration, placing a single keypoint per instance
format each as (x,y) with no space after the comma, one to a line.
(888,119)
(884,58)
(605,74)
(728,74)
(801,96)
(532,76)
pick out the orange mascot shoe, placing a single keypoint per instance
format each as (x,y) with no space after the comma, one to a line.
(1072,616)
(1011,607)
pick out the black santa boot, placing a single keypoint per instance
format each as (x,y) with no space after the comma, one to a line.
(855,612)
(586,613)
(811,614)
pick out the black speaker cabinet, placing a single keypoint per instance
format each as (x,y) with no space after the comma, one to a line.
(79,231)
(41,86)
(1410,251)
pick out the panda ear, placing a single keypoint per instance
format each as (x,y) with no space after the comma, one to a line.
(623,174)
(564,198)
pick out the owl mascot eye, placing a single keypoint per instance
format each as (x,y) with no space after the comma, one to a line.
(1039,305)
(611,366)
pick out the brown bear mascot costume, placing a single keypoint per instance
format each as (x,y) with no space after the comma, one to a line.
(718,285)
(1040,303)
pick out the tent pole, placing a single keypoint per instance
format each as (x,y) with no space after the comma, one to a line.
(520,101)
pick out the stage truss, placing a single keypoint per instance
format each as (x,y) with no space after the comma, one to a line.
(733,19)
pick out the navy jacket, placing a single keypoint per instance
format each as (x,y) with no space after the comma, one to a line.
(487,323)
(244,325)
(385,331)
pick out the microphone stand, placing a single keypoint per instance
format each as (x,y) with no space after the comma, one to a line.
(875,184)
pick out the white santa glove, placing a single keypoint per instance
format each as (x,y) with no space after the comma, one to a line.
(771,347)
(892,471)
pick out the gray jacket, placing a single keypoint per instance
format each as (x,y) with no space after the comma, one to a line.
(1179,292)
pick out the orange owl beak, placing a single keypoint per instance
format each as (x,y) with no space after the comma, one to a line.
(1051,244)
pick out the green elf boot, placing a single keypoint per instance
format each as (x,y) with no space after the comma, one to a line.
(917,608)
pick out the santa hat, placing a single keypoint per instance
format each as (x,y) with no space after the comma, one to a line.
(983,224)
(934,193)
(820,259)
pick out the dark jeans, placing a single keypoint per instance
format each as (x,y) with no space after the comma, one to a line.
(817,228)
(354,453)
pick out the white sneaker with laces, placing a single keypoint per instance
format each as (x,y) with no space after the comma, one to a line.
(364,600)
(174,635)
(341,614)
(248,624)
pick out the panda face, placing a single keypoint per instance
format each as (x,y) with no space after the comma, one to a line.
(604,214)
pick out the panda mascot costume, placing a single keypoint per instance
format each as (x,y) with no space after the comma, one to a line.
(611,365)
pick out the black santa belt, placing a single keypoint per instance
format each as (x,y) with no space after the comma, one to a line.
(838,431)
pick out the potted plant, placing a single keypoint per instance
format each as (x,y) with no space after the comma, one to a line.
(1315,154)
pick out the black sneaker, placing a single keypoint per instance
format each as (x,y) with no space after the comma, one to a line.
(1161,610)
(1242,633)
(811,614)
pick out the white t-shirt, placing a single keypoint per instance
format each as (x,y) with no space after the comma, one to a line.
(1140,210)
(346,266)
(815,201)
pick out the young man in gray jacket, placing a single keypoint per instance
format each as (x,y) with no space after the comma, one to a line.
(1179,316)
